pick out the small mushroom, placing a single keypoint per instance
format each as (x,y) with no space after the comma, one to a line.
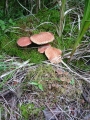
(42,49)
(53,54)
(24,41)
(42,38)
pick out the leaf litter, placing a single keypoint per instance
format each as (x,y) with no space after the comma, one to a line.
(64,96)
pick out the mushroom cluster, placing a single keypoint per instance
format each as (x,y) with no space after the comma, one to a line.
(43,39)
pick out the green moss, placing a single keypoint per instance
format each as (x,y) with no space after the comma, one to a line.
(11,48)
(80,64)
(9,39)
(49,15)
(28,110)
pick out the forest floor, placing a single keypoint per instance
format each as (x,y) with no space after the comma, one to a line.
(32,88)
(42,91)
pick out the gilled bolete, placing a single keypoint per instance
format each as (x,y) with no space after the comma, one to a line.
(42,38)
(42,48)
(53,54)
(24,41)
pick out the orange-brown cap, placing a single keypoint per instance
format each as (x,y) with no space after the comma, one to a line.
(53,54)
(42,48)
(42,38)
(24,41)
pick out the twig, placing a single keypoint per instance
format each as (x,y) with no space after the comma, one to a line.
(27,10)
(51,111)
(74,71)
(63,111)
(86,79)
(20,66)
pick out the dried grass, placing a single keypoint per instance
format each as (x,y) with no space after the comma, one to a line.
(62,94)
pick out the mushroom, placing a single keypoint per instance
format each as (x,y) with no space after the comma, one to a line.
(42,49)
(53,54)
(42,38)
(24,41)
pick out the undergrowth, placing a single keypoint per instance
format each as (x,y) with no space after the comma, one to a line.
(28,26)
(12,34)
(33,86)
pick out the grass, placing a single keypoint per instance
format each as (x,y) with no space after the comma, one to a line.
(29,109)
(80,65)
(62,17)
(4,82)
(85,24)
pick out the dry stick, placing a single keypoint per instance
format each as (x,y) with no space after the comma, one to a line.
(63,111)
(74,72)
(51,111)
(8,110)
(20,66)
(27,10)
(70,69)
(6,104)
(47,23)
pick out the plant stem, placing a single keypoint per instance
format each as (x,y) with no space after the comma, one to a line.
(84,26)
(62,9)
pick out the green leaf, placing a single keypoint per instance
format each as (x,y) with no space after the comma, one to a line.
(40,87)
(72,82)
(2,22)
(10,21)
(3,27)
(30,106)
(1,56)
(2,66)
(33,83)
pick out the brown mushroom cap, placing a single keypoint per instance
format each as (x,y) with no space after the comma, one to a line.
(24,41)
(53,54)
(42,48)
(42,38)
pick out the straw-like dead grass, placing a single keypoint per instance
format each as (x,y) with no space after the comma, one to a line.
(61,89)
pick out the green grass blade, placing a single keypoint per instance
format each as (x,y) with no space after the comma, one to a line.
(84,26)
